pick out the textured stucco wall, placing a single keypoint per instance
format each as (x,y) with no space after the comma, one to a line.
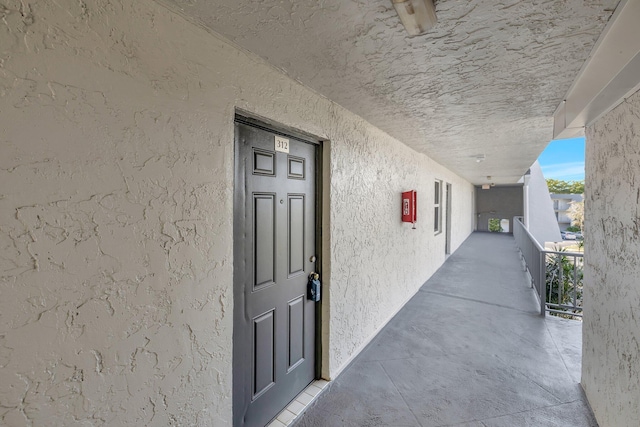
(377,261)
(116,184)
(611,330)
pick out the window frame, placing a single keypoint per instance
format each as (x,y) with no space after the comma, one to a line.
(437,207)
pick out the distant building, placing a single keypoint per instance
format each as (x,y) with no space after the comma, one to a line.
(561,205)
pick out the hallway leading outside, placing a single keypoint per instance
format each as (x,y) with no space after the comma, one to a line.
(470,349)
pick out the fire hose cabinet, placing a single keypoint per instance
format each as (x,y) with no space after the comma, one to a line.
(409,208)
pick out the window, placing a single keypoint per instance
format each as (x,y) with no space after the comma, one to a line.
(437,207)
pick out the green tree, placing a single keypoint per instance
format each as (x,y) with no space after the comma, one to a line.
(558,186)
(576,187)
(494,225)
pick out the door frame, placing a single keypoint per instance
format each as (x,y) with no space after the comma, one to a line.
(249,119)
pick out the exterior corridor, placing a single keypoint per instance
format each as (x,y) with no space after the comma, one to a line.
(470,349)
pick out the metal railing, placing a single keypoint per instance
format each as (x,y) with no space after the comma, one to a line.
(556,275)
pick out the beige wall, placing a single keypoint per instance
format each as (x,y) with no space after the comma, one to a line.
(116,185)
(611,330)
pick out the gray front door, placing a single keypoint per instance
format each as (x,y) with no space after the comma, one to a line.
(274,252)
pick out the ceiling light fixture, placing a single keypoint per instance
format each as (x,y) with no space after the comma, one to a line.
(417,16)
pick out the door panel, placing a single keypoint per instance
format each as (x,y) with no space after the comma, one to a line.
(296,332)
(264,349)
(263,163)
(296,168)
(264,239)
(274,241)
(296,235)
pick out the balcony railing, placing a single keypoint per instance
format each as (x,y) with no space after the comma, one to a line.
(556,275)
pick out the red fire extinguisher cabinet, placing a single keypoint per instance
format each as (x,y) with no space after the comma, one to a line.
(409,208)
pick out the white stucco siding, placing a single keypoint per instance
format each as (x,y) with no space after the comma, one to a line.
(116,214)
(376,261)
(542,222)
(611,330)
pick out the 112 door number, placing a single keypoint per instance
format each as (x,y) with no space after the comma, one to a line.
(282,144)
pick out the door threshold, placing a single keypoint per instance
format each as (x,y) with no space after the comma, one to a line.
(299,404)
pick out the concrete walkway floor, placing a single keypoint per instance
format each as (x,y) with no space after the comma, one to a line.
(470,349)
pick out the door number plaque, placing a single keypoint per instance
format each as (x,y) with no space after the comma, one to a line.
(282,144)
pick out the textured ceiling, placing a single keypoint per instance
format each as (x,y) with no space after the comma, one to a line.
(485,80)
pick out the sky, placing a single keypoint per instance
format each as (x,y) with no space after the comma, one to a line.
(563,159)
